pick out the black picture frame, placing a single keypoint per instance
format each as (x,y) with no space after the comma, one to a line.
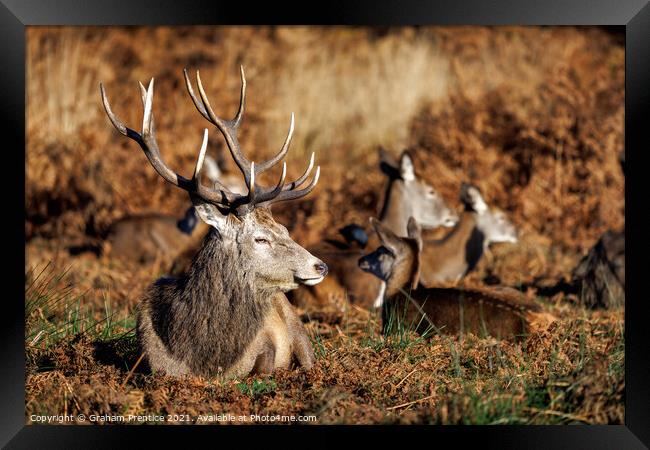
(633,15)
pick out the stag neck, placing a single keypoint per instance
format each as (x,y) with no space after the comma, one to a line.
(215,298)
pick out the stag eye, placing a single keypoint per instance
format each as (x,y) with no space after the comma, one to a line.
(261,240)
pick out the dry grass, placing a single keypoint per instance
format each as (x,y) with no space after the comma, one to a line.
(571,373)
(534,116)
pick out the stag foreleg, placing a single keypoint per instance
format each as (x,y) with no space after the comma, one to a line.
(301,349)
(265,362)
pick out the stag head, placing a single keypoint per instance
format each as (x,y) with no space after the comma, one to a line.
(243,221)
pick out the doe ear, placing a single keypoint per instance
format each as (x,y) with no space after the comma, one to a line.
(209,213)
(388,165)
(414,231)
(388,239)
(470,196)
(406,167)
(189,221)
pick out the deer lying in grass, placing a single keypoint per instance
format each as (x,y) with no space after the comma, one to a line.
(228,315)
(455,255)
(145,237)
(452,257)
(499,312)
(406,195)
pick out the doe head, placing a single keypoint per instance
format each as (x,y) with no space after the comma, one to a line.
(397,260)
(496,227)
(416,197)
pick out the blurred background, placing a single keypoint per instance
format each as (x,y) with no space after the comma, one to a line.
(533,116)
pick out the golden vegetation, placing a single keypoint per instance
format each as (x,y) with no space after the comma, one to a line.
(533,116)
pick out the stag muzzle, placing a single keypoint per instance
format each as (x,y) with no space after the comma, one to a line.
(317,275)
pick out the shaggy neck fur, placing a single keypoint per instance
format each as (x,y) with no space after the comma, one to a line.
(216,310)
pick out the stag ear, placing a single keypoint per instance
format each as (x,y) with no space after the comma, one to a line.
(406,167)
(209,213)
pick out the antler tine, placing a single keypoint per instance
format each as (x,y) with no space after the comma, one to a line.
(242,99)
(283,151)
(228,128)
(199,165)
(143,92)
(294,184)
(251,185)
(147,117)
(149,145)
(197,103)
(199,161)
(117,123)
(292,195)
(272,193)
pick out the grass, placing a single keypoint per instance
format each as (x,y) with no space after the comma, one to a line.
(486,105)
(257,388)
(398,332)
(319,347)
(360,376)
(54,311)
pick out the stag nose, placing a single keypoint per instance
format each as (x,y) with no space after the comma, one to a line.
(321,268)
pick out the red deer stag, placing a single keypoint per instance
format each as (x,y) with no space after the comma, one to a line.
(228,314)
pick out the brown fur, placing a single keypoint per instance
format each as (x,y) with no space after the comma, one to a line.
(223,316)
(228,313)
(501,312)
(346,280)
(498,312)
(145,238)
(453,256)
(600,275)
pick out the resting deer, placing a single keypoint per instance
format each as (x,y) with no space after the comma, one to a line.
(500,312)
(456,254)
(406,195)
(144,237)
(228,314)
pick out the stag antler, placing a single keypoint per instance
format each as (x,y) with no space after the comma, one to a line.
(238,204)
(229,130)
(147,140)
